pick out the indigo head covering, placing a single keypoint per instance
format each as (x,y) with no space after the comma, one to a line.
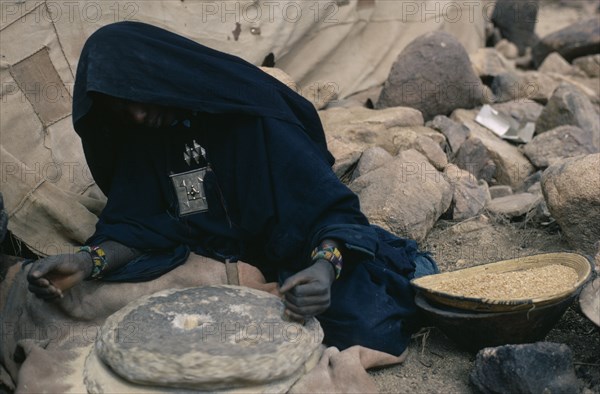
(147,64)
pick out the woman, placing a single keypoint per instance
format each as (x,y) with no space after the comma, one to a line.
(201,152)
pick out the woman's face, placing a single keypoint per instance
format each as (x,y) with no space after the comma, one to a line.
(140,114)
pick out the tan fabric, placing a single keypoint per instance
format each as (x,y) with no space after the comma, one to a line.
(330,48)
(44,345)
(345,371)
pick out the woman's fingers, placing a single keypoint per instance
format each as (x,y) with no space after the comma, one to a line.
(307,305)
(310,310)
(42,282)
(294,281)
(301,301)
(45,293)
(41,268)
(306,293)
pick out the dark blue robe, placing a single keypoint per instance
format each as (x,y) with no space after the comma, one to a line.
(271,193)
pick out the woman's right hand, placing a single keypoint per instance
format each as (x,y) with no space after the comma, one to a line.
(49,277)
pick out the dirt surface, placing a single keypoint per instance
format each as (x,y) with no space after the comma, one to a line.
(435,364)
(554,15)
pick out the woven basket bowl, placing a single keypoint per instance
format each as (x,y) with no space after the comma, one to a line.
(576,261)
(476,330)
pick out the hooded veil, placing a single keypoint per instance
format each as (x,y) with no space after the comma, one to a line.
(272,195)
(144,63)
(267,146)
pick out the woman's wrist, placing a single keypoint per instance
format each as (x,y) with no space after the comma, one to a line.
(328,251)
(86,262)
(327,267)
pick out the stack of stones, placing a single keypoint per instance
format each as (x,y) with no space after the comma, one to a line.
(419,156)
(206,339)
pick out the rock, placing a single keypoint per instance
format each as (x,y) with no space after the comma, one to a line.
(406,195)
(455,132)
(590,65)
(588,86)
(281,76)
(365,98)
(555,63)
(487,94)
(424,131)
(468,226)
(560,143)
(424,145)
(514,205)
(579,39)
(516,21)
(531,180)
(349,131)
(541,367)
(370,160)
(488,157)
(507,49)
(500,191)
(434,75)
(346,154)
(207,338)
(536,188)
(3,219)
(474,157)
(367,127)
(99,378)
(589,301)
(568,106)
(570,188)
(488,62)
(334,118)
(529,85)
(522,111)
(470,195)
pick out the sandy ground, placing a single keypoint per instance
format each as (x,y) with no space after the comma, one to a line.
(555,14)
(435,364)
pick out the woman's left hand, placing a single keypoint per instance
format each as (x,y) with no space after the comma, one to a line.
(307,293)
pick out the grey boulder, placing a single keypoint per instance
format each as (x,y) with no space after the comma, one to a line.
(576,40)
(571,190)
(469,196)
(514,205)
(568,106)
(590,65)
(536,368)
(516,21)
(406,195)
(434,75)
(371,159)
(456,133)
(560,143)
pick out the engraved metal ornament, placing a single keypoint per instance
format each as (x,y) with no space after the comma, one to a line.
(194,153)
(189,188)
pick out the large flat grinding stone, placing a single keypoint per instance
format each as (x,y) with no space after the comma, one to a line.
(99,378)
(206,338)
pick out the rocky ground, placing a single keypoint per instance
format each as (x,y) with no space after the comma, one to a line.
(436,364)
(467,195)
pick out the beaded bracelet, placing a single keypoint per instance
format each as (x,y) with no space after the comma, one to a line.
(331,254)
(98,258)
